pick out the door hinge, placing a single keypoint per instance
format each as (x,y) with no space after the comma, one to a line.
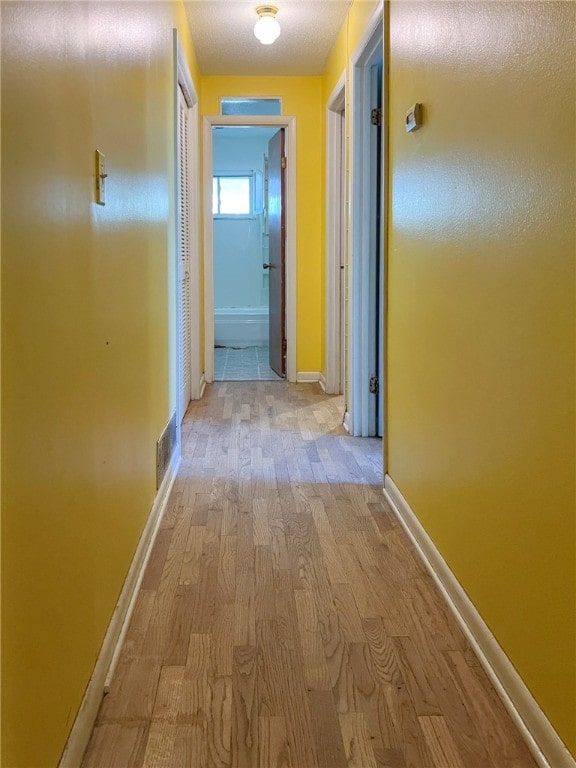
(284,346)
(374,385)
(283,161)
(376,116)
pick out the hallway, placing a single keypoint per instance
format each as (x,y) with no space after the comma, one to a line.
(284,618)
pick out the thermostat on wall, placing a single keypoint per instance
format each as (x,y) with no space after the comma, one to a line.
(414,118)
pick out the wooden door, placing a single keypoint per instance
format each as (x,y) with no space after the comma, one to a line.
(276,257)
(343,249)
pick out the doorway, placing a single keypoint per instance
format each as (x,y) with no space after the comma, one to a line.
(367,205)
(248,305)
(210,274)
(336,245)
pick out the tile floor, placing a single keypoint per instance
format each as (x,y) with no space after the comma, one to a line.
(245,364)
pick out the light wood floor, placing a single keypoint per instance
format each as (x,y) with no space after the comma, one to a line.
(284,619)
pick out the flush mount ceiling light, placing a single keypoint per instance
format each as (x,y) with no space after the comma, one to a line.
(267,28)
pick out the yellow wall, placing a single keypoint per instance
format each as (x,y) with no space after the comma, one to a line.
(481,315)
(357,19)
(302,98)
(180,21)
(85,338)
(0,438)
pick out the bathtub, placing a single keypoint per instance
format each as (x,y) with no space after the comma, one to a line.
(241,326)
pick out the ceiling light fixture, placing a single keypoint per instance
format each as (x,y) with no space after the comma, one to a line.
(267,28)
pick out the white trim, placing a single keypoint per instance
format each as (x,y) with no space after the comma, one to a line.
(195,248)
(111,646)
(322,382)
(291,219)
(308,377)
(184,76)
(546,746)
(201,387)
(334,245)
(337,99)
(384,234)
(347,422)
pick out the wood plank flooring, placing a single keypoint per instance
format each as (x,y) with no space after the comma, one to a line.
(285,620)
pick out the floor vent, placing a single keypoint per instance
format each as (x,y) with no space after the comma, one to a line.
(165,449)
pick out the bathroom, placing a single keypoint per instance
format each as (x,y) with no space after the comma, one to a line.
(240,251)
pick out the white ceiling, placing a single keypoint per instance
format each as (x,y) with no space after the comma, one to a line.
(223,35)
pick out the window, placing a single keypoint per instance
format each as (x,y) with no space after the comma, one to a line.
(231,195)
(236,193)
(246,106)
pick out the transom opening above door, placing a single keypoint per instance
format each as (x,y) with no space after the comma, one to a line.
(250,106)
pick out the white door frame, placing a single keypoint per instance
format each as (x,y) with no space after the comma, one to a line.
(368,52)
(335,227)
(183,79)
(289,123)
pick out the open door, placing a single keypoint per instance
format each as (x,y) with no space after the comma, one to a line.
(277,253)
(376,251)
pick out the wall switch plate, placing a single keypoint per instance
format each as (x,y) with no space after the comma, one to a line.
(100,178)
(413,118)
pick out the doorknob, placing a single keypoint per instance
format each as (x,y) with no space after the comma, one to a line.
(268,266)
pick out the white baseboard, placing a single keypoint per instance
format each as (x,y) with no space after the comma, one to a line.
(112,644)
(322,381)
(308,377)
(347,423)
(546,746)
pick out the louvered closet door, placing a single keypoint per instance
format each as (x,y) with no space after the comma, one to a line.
(184,252)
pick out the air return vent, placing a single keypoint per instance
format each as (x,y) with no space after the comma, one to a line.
(165,449)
